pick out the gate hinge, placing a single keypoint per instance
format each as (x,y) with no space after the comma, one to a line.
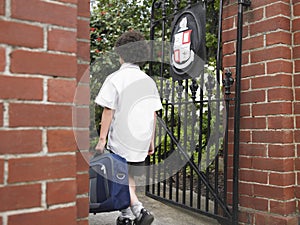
(246,3)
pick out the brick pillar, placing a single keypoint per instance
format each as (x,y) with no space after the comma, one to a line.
(81,101)
(269,108)
(43,51)
(296,109)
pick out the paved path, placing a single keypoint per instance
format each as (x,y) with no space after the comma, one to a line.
(164,215)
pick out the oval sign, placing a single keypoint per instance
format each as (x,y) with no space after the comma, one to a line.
(188,43)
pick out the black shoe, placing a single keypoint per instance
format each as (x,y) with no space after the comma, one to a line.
(124,221)
(145,218)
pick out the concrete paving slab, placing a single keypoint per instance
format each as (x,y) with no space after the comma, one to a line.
(164,215)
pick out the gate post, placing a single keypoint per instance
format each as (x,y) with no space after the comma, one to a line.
(269,116)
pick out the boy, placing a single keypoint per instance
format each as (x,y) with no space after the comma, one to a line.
(130,99)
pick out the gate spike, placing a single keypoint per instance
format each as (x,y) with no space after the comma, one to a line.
(194,87)
(227,82)
(176,3)
(167,90)
(179,89)
(210,84)
(163,7)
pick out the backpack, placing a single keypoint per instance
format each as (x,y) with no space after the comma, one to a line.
(109,190)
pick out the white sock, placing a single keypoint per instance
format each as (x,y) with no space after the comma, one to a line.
(126,213)
(136,208)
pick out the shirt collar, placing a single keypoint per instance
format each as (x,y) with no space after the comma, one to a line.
(129,65)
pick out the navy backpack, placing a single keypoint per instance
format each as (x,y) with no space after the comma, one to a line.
(109,190)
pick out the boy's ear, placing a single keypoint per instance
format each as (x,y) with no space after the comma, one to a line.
(121,60)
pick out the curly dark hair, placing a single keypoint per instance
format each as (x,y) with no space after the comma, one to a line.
(132,47)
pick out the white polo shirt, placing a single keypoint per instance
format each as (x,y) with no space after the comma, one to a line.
(134,97)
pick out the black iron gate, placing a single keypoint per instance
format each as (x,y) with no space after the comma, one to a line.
(191,167)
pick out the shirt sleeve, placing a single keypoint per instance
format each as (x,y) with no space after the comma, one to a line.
(157,104)
(107,96)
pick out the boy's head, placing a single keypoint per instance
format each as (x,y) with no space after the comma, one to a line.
(132,48)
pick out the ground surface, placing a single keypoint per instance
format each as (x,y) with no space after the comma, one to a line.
(164,215)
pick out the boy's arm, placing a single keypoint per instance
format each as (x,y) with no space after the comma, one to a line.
(106,119)
(152,144)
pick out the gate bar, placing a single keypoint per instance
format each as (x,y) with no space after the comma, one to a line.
(218,71)
(235,203)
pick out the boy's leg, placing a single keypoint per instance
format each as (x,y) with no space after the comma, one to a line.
(136,205)
(143,217)
(126,214)
(132,189)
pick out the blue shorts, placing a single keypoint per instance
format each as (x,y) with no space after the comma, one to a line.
(134,168)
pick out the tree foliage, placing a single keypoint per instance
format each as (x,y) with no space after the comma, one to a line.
(113,17)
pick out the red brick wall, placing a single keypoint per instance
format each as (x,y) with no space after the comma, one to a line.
(268,191)
(44,115)
(81,100)
(296,103)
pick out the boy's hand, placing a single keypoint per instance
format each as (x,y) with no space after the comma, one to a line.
(100,146)
(151,148)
